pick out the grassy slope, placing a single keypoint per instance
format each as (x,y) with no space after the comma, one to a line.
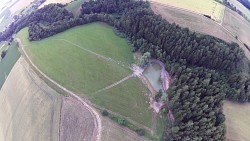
(208,7)
(127,98)
(82,72)
(237,121)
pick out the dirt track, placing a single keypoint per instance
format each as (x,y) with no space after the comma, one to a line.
(97,121)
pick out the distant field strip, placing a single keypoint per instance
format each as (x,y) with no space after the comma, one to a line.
(54,1)
(207,7)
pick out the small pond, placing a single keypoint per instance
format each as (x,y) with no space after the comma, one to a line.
(8,62)
(153,74)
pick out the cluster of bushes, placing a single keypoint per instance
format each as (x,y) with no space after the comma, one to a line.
(3,54)
(124,122)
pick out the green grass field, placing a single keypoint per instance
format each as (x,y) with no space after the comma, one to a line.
(75,6)
(85,73)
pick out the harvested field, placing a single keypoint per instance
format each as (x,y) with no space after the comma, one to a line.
(241,7)
(29,109)
(206,7)
(237,25)
(77,123)
(21,4)
(237,121)
(54,1)
(196,22)
(114,132)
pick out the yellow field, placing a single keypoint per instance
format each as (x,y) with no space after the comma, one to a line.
(207,7)
(29,109)
(54,1)
(237,121)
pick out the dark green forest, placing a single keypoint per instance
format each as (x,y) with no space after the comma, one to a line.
(205,70)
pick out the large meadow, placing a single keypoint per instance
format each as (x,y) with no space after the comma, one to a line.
(89,60)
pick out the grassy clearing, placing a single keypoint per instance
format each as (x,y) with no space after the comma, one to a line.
(75,6)
(85,73)
(207,7)
(237,121)
(82,72)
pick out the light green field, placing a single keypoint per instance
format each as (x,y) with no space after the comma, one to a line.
(237,121)
(85,73)
(207,7)
(129,97)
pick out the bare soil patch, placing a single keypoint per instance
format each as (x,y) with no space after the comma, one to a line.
(77,123)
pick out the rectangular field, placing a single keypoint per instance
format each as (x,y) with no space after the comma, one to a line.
(206,7)
(237,121)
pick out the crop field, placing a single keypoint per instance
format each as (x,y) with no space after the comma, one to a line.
(197,23)
(93,58)
(29,109)
(21,4)
(237,121)
(241,7)
(54,1)
(237,25)
(207,7)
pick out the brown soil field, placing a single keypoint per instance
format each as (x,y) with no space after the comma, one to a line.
(114,132)
(29,109)
(77,123)
(195,22)
(237,121)
(20,5)
(237,25)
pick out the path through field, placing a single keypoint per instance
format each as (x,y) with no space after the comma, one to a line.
(96,54)
(95,115)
